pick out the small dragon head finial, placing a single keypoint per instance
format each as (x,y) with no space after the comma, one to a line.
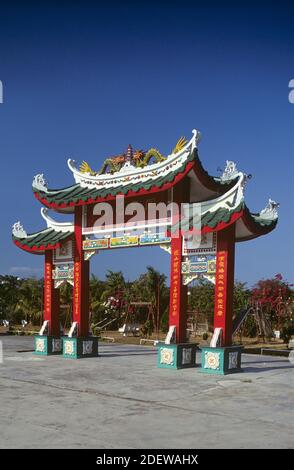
(230,172)
(18,230)
(271,210)
(40,183)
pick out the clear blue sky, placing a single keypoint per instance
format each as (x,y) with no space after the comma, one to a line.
(84,80)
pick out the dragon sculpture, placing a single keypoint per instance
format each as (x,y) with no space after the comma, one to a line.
(138,158)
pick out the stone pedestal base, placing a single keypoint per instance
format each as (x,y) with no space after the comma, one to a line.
(47,345)
(76,348)
(225,360)
(176,356)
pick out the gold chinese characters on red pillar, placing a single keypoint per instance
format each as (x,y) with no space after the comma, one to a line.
(176,279)
(178,292)
(51,296)
(48,287)
(224,283)
(77,287)
(220,284)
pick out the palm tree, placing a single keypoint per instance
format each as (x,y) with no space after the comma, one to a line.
(65,305)
(30,299)
(115,283)
(151,287)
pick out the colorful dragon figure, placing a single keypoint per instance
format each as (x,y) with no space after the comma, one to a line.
(138,158)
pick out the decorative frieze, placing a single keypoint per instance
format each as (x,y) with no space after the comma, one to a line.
(126,241)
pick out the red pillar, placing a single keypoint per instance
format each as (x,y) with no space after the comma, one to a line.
(178,292)
(51,297)
(224,283)
(81,280)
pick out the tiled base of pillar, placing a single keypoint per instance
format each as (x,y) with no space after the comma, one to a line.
(225,360)
(47,345)
(76,348)
(176,356)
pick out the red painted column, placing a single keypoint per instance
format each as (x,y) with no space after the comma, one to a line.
(178,292)
(51,297)
(81,279)
(224,283)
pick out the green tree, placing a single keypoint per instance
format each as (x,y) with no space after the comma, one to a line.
(114,283)
(9,296)
(151,287)
(241,296)
(30,300)
(65,313)
(201,299)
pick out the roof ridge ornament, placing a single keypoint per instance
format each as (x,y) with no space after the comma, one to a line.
(40,183)
(195,139)
(246,178)
(18,230)
(271,210)
(133,163)
(230,172)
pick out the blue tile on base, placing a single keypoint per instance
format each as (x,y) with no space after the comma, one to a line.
(221,360)
(176,356)
(47,345)
(76,348)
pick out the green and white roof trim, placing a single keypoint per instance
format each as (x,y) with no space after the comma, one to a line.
(211,216)
(221,200)
(131,181)
(48,239)
(216,214)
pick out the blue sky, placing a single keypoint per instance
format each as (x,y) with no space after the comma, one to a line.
(85,79)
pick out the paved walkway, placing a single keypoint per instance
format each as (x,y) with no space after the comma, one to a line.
(122,400)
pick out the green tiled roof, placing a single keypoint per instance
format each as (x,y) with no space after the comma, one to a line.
(49,237)
(78,193)
(43,239)
(209,219)
(75,193)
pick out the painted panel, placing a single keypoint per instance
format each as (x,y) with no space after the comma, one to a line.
(97,244)
(154,239)
(126,241)
(207,245)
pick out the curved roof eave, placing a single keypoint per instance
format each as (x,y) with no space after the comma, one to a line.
(36,243)
(64,200)
(252,226)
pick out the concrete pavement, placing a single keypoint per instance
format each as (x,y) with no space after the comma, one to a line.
(122,400)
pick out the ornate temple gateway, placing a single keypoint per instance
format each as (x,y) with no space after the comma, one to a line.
(142,199)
